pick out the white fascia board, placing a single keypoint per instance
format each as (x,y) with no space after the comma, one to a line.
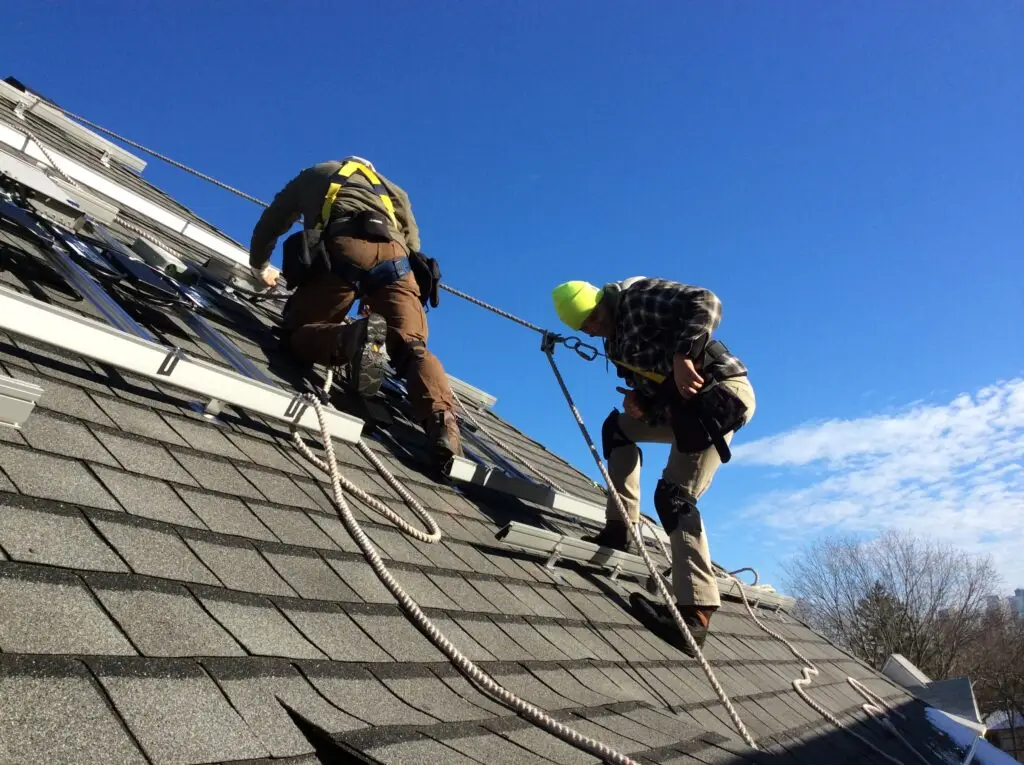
(216,243)
(107,187)
(41,109)
(138,203)
(12,137)
(25,316)
(30,175)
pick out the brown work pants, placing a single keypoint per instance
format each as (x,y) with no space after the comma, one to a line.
(693,578)
(322,303)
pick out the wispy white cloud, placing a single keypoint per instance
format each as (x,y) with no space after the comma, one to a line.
(953,470)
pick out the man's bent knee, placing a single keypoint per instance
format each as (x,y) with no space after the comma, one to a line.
(409,353)
(676,508)
(613,438)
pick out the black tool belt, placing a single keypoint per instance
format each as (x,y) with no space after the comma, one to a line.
(704,419)
(365,224)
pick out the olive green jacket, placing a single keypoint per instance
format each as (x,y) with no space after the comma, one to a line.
(303,197)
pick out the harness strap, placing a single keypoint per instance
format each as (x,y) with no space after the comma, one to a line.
(342,178)
(368,281)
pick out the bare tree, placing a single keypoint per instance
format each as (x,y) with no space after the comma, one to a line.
(897,593)
(997,666)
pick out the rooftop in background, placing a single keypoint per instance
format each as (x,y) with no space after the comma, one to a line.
(203,603)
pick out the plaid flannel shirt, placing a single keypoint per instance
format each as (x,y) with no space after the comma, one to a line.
(656,319)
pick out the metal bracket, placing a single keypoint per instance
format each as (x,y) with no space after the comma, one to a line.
(19,110)
(554,557)
(615,572)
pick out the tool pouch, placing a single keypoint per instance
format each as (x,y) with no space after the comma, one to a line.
(302,260)
(705,419)
(427,273)
(371,226)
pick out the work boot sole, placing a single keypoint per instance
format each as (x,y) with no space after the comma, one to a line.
(657,618)
(368,366)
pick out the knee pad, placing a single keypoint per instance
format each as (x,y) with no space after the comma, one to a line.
(676,508)
(612,436)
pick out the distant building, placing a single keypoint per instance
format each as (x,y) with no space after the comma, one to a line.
(1017,602)
(1009,738)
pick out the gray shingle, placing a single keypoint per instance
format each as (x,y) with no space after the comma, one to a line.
(308,574)
(488,748)
(440,555)
(153,550)
(277,487)
(143,457)
(394,633)
(257,688)
(51,711)
(32,598)
(42,475)
(176,711)
(204,437)
(216,474)
(266,454)
(54,536)
(499,596)
(487,634)
(67,399)
(237,564)
(532,599)
(257,624)
(462,639)
(423,590)
(332,631)
(570,646)
(526,686)
(420,688)
(138,420)
(226,515)
(293,527)
(418,751)
(357,574)
(547,746)
(532,641)
(561,602)
(69,438)
(593,640)
(395,546)
(360,694)
(459,590)
(162,620)
(563,683)
(334,528)
(147,497)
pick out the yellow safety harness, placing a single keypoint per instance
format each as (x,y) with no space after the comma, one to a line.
(342,178)
(652,376)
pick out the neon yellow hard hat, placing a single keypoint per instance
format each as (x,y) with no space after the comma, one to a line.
(574,302)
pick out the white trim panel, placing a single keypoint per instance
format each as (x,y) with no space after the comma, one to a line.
(12,137)
(216,243)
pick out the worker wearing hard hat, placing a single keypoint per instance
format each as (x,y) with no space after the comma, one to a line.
(685,389)
(359,240)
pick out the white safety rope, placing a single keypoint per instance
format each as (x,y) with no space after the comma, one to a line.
(737,722)
(873,702)
(412,610)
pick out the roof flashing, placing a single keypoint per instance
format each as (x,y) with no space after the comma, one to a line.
(17,400)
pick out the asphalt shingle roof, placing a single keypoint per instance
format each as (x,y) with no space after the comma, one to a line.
(178,591)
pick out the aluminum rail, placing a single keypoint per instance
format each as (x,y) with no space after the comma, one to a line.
(26,316)
(555,546)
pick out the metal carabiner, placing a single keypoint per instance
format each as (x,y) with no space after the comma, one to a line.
(585,351)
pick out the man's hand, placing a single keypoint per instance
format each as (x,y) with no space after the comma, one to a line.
(686,377)
(268,275)
(631,403)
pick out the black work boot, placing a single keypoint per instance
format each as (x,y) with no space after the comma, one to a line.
(443,439)
(658,619)
(615,535)
(361,345)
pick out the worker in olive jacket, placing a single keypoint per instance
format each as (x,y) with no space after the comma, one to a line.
(359,240)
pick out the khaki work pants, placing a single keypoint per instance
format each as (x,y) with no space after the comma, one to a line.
(693,579)
(321,304)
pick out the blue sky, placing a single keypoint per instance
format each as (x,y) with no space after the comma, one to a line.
(848,178)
